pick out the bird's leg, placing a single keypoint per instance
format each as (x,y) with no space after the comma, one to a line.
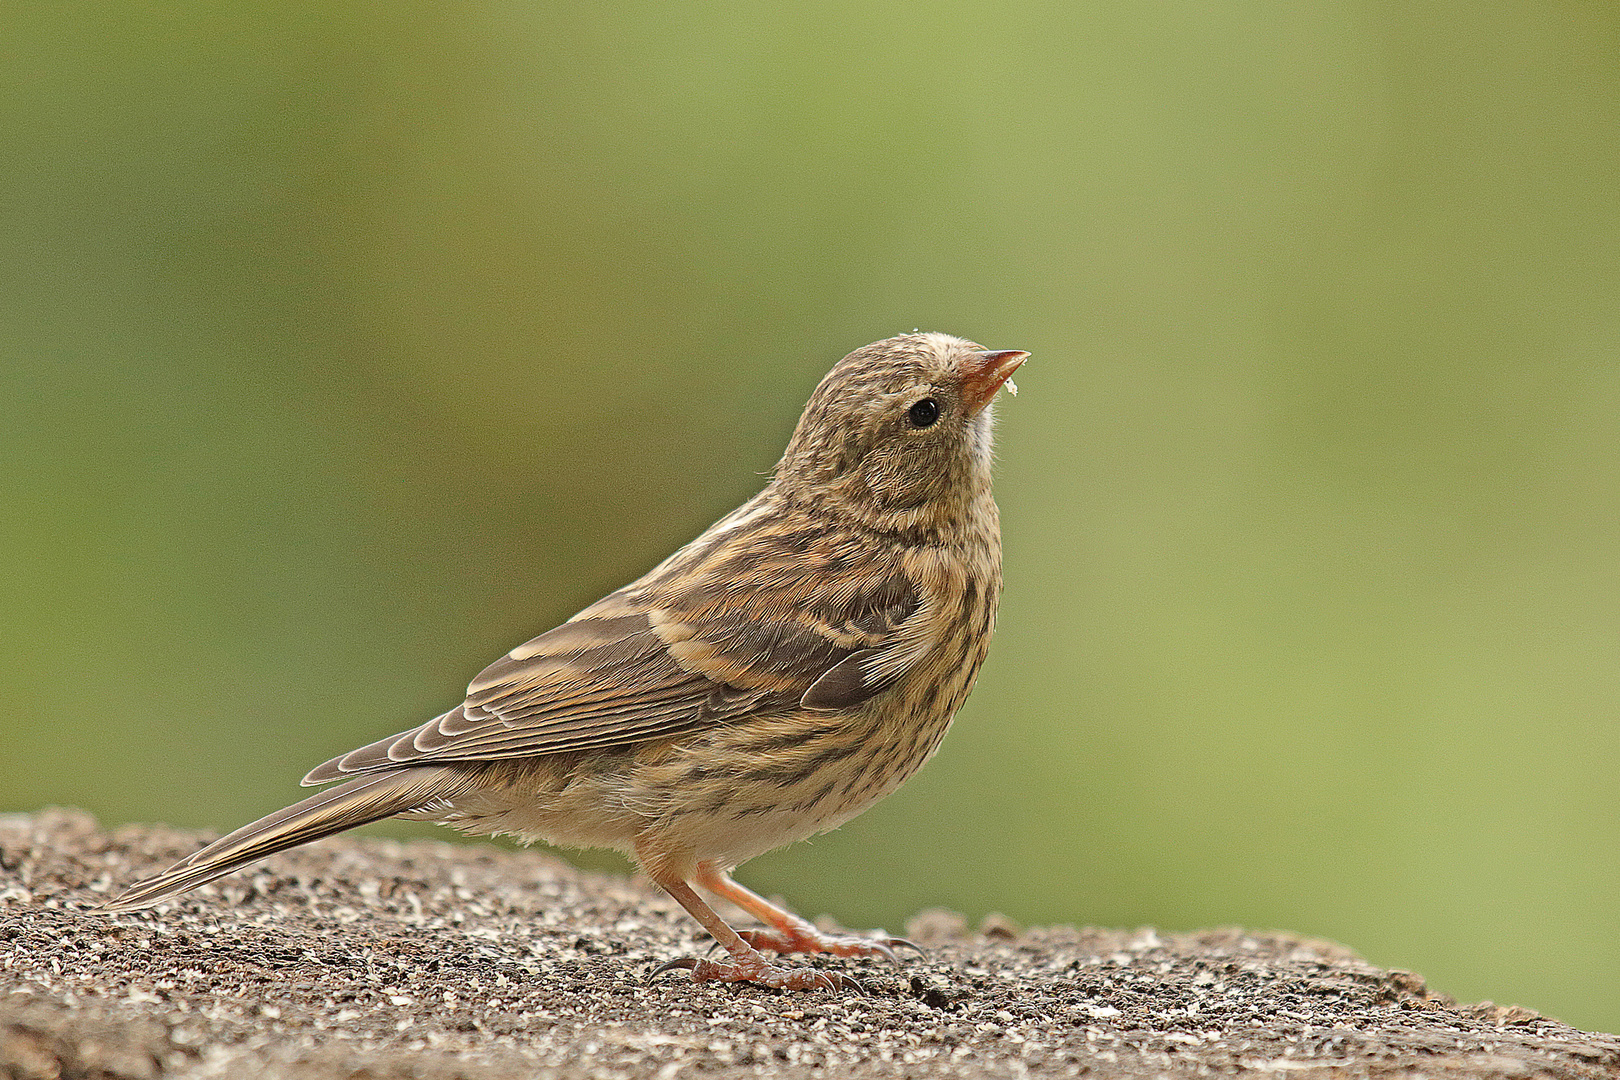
(746,963)
(789,933)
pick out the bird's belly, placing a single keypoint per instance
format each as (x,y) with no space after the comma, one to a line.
(729,816)
(568,808)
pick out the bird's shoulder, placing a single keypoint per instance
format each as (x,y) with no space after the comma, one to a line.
(780,598)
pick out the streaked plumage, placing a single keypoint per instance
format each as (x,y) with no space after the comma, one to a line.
(768,681)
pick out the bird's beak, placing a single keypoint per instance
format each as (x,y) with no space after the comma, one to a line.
(986,372)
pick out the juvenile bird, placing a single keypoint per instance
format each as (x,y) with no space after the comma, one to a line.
(767,682)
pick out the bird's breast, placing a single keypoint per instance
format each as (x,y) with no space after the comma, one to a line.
(744,788)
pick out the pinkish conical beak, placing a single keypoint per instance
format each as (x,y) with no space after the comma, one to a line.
(986,373)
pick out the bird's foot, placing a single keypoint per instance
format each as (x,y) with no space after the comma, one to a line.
(755,969)
(807,939)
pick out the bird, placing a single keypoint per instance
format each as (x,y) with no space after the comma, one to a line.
(767,682)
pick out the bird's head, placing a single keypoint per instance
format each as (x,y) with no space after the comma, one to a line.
(898,434)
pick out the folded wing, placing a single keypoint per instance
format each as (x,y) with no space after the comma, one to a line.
(652,662)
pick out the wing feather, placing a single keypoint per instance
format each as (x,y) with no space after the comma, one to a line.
(720,631)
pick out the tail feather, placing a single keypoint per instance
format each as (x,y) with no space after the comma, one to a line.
(361,800)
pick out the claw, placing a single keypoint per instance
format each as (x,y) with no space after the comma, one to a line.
(902,943)
(670,965)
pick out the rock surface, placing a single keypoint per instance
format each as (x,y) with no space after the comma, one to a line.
(365,958)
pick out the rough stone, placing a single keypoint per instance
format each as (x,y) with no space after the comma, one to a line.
(360,958)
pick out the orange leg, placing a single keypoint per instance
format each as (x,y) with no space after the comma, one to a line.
(746,963)
(788,933)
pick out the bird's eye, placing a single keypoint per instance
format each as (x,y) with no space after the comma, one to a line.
(923,413)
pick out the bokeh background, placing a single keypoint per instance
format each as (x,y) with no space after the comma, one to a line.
(347,344)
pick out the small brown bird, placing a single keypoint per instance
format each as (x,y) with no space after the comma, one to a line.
(767,682)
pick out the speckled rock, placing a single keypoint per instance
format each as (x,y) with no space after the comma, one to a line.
(364,958)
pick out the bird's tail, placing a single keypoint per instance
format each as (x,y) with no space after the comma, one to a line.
(361,800)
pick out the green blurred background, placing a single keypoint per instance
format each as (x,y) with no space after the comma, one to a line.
(348,344)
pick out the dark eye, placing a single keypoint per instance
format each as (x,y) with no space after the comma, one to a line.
(923,413)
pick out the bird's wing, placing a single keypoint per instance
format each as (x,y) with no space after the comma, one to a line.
(672,654)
